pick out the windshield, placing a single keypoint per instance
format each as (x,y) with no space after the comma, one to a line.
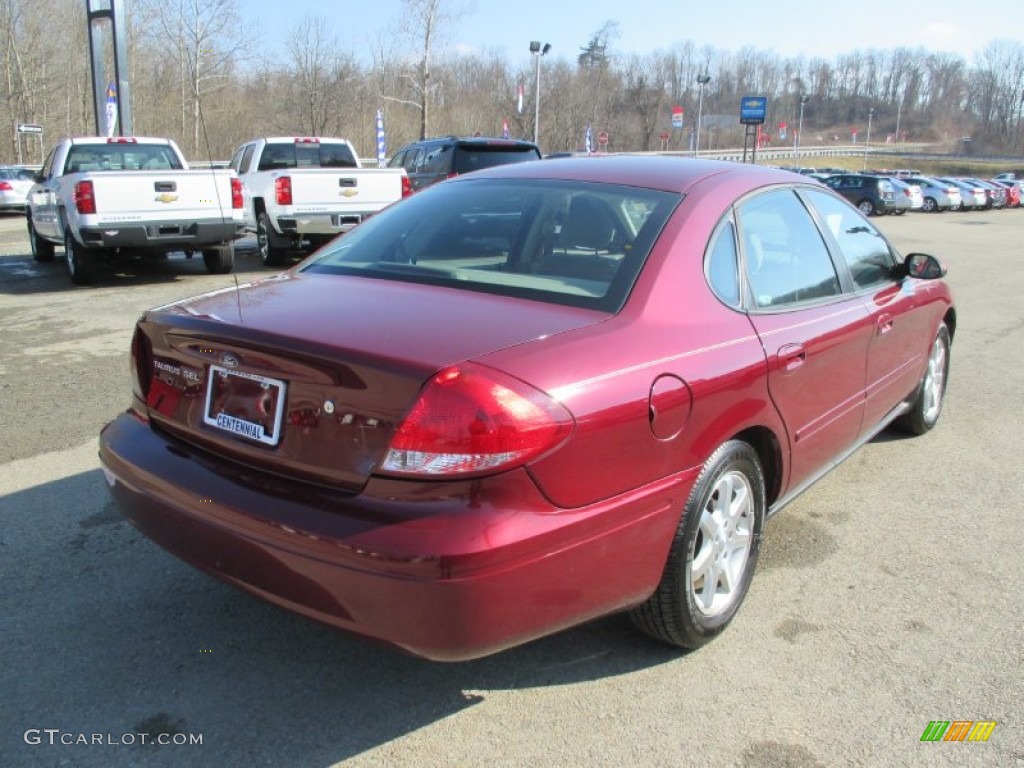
(474,158)
(307,154)
(573,243)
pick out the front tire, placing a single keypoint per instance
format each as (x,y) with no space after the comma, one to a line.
(929,205)
(42,250)
(220,259)
(714,552)
(80,260)
(270,244)
(931,393)
(866,207)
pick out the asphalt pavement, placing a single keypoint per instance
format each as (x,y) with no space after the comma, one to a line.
(887,597)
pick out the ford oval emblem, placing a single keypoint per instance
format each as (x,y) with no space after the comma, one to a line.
(229,361)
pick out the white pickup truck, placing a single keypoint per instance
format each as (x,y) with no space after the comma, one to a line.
(101,198)
(301,192)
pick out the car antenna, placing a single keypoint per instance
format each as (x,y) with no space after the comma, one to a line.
(213,172)
(238,298)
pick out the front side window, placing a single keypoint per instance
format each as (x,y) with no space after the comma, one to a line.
(864,249)
(786,259)
(573,243)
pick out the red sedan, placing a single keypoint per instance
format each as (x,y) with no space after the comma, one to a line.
(528,397)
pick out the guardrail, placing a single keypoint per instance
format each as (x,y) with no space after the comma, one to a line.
(788,154)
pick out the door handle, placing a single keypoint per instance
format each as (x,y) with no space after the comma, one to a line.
(884,323)
(791,357)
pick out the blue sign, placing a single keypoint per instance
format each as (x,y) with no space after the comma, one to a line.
(753,109)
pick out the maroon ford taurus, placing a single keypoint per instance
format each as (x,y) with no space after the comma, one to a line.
(529,397)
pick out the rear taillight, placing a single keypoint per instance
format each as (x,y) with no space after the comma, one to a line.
(452,175)
(141,365)
(406,186)
(471,420)
(236,193)
(84,197)
(283,190)
(5,186)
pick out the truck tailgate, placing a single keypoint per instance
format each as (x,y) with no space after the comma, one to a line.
(362,190)
(156,195)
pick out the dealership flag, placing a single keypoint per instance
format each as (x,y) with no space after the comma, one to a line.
(519,99)
(504,128)
(111,109)
(382,142)
(588,140)
(782,130)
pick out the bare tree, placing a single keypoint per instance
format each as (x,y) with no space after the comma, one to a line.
(424,21)
(207,39)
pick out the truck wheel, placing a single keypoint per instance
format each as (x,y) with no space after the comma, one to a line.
(220,259)
(81,261)
(270,244)
(42,250)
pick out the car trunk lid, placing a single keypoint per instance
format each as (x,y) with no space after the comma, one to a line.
(318,393)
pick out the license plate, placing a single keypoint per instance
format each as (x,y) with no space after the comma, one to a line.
(244,404)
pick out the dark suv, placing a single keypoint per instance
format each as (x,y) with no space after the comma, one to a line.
(873,195)
(432,160)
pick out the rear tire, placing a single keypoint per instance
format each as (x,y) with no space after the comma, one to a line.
(219,259)
(929,205)
(270,244)
(867,207)
(931,393)
(42,250)
(714,552)
(81,261)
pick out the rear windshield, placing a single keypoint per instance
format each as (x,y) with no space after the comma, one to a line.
(574,243)
(121,157)
(476,157)
(307,155)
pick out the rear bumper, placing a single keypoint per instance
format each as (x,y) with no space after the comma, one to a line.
(166,235)
(299,224)
(447,571)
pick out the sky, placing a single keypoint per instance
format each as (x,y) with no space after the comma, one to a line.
(822,28)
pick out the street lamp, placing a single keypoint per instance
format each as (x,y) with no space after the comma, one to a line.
(537,50)
(867,141)
(702,80)
(800,126)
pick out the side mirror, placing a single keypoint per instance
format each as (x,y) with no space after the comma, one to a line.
(39,178)
(923,266)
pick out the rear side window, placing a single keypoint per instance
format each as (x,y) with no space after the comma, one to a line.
(570,243)
(787,261)
(476,157)
(722,265)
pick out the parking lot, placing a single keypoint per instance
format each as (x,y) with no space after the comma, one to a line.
(887,597)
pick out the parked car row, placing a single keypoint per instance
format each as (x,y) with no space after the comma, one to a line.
(15,182)
(877,193)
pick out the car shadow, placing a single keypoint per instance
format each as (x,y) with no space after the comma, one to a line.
(115,636)
(22,275)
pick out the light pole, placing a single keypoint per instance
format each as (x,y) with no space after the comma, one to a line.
(867,140)
(537,50)
(702,80)
(800,126)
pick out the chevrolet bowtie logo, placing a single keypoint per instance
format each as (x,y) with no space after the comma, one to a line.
(349,192)
(166,198)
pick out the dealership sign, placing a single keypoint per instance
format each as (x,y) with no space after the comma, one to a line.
(753,109)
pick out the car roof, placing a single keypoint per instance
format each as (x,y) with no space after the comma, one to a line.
(670,174)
